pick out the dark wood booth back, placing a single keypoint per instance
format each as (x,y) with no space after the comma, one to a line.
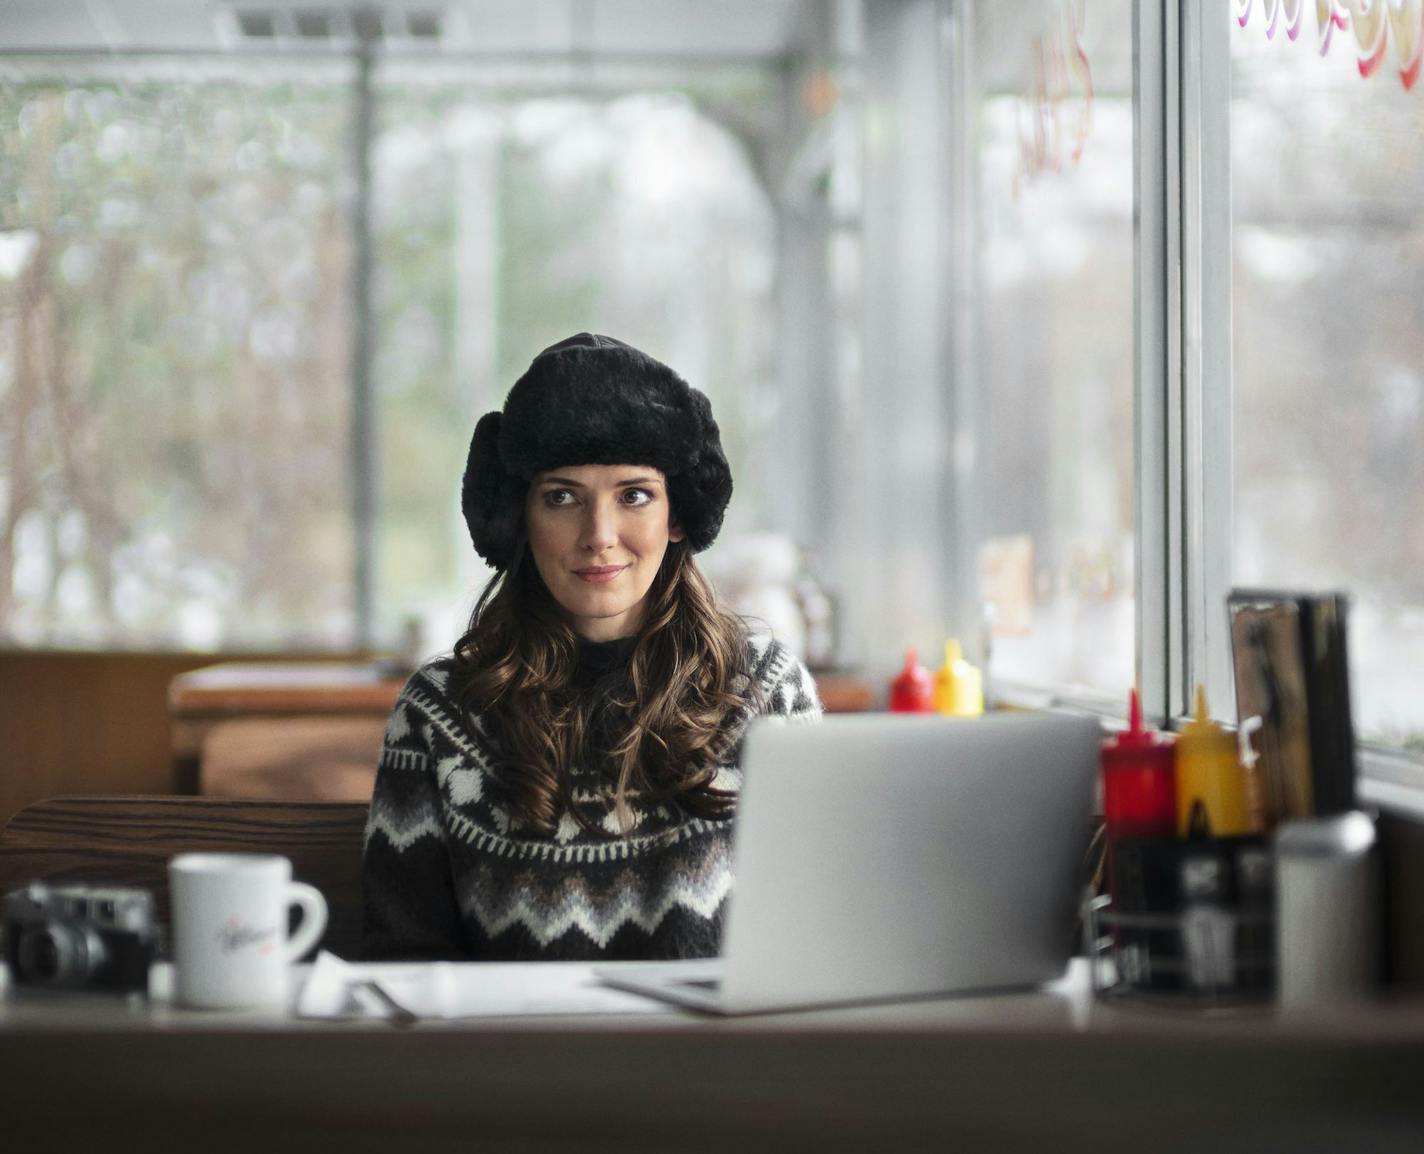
(128,841)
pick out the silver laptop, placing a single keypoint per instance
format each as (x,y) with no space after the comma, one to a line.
(890,856)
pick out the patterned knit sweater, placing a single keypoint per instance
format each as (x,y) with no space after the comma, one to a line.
(448,874)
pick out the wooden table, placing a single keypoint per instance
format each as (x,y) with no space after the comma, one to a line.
(844,692)
(1038,1071)
(241,690)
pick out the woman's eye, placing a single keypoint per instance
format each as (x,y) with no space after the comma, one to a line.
(637,497)
(558,498)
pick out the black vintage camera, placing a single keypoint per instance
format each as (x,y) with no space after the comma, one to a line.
(80,936)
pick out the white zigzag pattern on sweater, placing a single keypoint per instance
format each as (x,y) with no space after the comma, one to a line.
(601,924)
(402,836)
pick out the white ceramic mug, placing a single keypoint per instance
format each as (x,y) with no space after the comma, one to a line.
(230,943)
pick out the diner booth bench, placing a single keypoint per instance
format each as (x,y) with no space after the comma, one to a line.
(127,840)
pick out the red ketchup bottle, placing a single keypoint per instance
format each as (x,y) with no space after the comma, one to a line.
(913,690)
(1139,780)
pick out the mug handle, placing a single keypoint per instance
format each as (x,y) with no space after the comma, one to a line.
(313,923)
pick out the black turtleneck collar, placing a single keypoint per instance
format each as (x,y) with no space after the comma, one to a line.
(597,658)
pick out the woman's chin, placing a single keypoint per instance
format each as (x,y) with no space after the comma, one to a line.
(603,619)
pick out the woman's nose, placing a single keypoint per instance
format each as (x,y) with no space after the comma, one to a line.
(599,528)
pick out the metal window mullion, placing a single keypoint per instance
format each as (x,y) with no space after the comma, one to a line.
(966,430)
(363,416)
(1206,441)
(1154,345)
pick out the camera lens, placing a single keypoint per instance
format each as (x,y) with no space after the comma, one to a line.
(45,961)
(59,954)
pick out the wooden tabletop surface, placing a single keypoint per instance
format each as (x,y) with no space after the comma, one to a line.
(240,688)
(1025,1072)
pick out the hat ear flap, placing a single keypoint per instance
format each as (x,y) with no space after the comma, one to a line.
(700,495)
(491,499)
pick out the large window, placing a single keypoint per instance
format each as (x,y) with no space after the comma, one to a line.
(174,362)
(1055,302)
(1327,224)
(1273,316)
(178,325)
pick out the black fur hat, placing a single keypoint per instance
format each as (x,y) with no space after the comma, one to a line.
(591,400)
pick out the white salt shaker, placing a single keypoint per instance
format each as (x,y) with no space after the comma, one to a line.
(1327,911)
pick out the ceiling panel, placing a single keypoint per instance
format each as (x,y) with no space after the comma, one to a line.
(44,23)
(655,28)
(513,26)
(697,27)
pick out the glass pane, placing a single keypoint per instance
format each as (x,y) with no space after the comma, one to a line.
(504,223)
(174,287)
(1055,208)
(1328,408)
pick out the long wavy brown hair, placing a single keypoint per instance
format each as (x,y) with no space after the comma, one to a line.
(666,723)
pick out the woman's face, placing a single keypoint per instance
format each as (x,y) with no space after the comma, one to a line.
(597,534)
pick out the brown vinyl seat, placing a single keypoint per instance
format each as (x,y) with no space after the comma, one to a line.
(127,840)
(292,758)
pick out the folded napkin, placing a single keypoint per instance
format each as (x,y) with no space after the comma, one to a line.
(448,990)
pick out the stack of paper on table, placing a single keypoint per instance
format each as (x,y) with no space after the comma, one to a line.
(449,990)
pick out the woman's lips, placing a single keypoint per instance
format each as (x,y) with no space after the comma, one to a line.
(598,574)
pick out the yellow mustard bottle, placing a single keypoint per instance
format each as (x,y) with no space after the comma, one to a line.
(1211,781)
(958,686)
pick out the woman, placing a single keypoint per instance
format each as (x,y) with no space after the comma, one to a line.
(561,787)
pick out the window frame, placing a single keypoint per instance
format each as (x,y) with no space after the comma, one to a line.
(1183,454)
(1387,777)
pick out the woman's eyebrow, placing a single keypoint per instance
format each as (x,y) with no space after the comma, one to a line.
(570,483)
